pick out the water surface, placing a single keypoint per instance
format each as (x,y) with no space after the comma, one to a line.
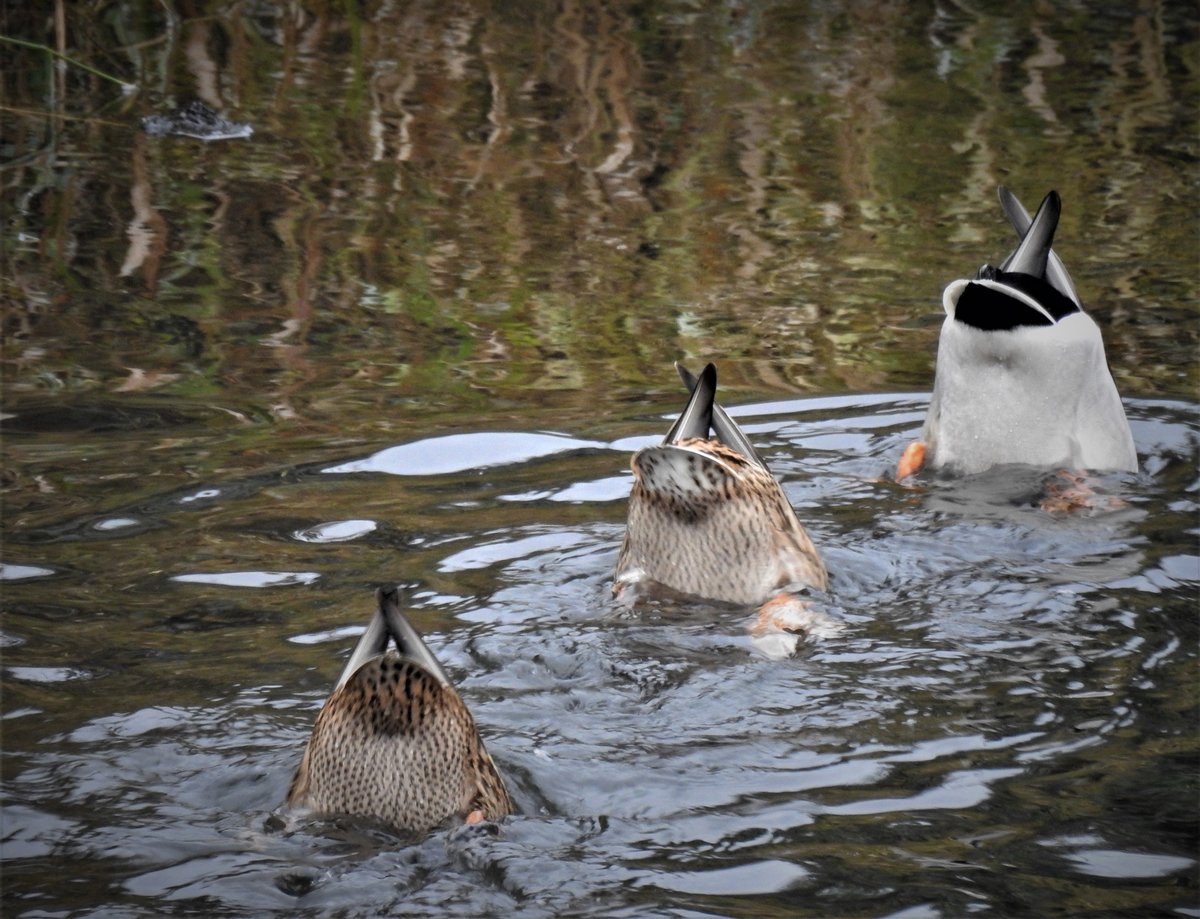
(411,330)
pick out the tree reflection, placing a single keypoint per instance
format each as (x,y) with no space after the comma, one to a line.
(489,201)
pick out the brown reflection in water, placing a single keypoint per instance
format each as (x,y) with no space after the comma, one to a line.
(200,63)
(148,232)
(1045,57)
(1136,109)
(480,208)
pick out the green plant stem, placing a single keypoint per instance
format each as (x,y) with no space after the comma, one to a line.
(68,59)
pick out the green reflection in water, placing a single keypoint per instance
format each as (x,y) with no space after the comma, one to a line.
(469,208)
(472,217)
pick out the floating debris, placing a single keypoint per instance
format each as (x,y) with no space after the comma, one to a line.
(195,120)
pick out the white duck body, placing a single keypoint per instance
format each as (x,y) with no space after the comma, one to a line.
(1021,370)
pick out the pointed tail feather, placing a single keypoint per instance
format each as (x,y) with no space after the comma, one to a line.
(373,642)
(726,428)
(1033,254)
(408,640)
(696,418)
(1056,271)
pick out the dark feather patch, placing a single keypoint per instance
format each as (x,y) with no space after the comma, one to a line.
(988,309)
(398,696)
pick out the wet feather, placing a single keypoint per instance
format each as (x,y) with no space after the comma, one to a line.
(395,741)
(707,518)
(1021,371)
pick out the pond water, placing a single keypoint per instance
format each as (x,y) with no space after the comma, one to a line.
(410,330)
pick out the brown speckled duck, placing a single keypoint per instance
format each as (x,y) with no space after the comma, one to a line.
(707,518)
(395,741)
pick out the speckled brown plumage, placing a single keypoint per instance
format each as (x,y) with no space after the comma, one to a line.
(707,518)
(397,744)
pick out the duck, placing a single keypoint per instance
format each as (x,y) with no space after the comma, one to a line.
(1021,373)
(395,742)
(706,516)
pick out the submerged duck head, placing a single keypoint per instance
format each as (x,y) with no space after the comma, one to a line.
(1021,372)
(395,741)
(706,517)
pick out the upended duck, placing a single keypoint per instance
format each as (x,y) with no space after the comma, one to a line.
(1021,374)
(395,741)
(707,518)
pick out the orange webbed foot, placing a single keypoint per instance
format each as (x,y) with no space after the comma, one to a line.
(1069,491)
(784,621)
(911,460)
